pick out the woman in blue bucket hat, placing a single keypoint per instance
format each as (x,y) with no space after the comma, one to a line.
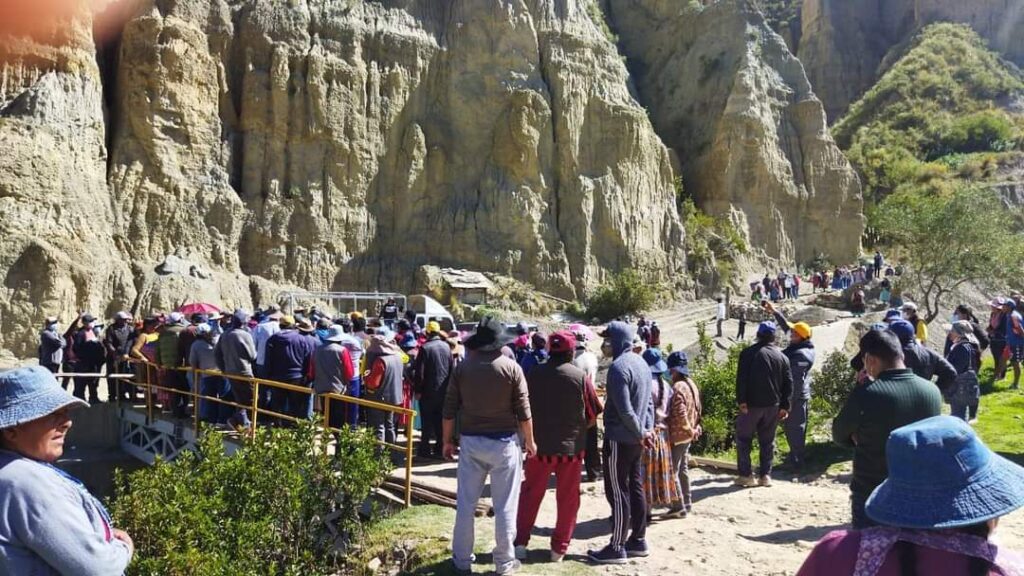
(940,504)
(49,523)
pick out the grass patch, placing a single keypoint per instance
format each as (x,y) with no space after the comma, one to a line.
(1001,414)
(418,541)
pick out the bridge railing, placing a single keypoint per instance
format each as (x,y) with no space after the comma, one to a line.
(148,379)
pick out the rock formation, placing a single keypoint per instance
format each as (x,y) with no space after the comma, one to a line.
(57,234)
(844,42)
(322,144)
(726,94)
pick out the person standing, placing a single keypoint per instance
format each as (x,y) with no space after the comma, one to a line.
(893,397)
(389,313)
(661,483)
(1014,339)
(432,372)
(684,428)
(537,354)
(800,353)
(383,384)
(287,357)
(89,356)
(117,341)
(51,345)
(331,372)
(909,310)
(923,361)
(879,261)
(721,315)
(235,354)
(489,394)
(764,386)
(996,330)
(558,401)
(965,356)
(268,325)
(202,356)
(628,425)
(171,358)
(587,361)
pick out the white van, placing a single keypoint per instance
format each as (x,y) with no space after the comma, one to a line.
(429,310)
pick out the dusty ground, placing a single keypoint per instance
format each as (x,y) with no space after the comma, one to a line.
(757,531)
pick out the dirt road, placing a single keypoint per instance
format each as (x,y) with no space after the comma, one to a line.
(756,531)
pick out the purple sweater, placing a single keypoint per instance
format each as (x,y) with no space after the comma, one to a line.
(288,354)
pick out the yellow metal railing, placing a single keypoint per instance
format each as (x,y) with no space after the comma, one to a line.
(152,383)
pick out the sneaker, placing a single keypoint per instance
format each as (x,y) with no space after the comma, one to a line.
(636,548)
(556,557)
(765,481)
(509,569)
(679,512)
(521,553)
(745,482)
(608,555)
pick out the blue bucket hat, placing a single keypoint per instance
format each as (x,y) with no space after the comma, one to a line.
(766,328)
(28,394)
(893,314)
(678,362)
(653,358)
(942,476)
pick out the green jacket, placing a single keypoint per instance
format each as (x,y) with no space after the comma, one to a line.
(895,399)
(167,353)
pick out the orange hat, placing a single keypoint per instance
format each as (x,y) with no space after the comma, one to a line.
(803,329)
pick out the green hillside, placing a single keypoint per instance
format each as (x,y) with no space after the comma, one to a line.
(948,110)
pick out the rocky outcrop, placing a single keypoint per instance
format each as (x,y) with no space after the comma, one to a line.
(322,144)
(344,145)
(844,42)
(56,233)
(728,97)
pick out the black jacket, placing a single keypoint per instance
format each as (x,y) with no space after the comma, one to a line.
(926,363)
(432,370)
(557,391)
(763,377)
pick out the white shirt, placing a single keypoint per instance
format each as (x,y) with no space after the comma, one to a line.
(721,311)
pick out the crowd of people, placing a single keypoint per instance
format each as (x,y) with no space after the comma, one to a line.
(488,397)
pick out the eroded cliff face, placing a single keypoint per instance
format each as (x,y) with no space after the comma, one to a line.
(344,145)
(57,228)
(726,94)
(322,144)
(844,42)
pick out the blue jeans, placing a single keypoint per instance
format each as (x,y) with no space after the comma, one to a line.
(214,387)
(355,389)
(503,460)
(796,429)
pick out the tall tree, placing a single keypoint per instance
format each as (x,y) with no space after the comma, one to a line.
(947,239)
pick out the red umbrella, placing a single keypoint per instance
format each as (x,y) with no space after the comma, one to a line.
(198,308)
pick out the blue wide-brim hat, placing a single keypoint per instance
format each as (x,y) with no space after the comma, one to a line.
(28,394)
(942,476)
(654,360)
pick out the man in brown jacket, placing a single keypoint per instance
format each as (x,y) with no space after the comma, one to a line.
(488,393)
(557,391)
(683,426)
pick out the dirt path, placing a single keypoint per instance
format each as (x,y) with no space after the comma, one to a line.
(756,532)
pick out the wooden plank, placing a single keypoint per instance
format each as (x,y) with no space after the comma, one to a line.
(712,463)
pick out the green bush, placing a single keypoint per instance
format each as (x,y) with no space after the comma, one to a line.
(717,382)
(833,381)
(626,293)
(279,505)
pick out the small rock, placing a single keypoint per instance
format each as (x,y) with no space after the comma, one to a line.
(732,520)
(373,565)
(672,548)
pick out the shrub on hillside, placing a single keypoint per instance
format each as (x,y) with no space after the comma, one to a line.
(277,506)
(717,382)
(832,384)
(624,294)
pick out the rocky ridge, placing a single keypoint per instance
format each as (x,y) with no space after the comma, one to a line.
(843,42)
(728,97)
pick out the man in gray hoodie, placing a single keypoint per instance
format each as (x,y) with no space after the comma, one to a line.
(628,425)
